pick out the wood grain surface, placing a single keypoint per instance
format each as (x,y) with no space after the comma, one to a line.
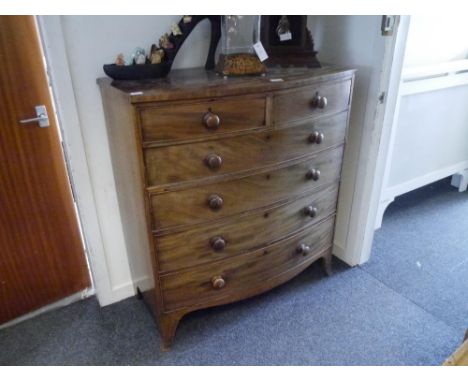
(190,206)
(179,121)
(42,257)
(298,104)
(196,83)
(180,289)
(191,247)
(241,153)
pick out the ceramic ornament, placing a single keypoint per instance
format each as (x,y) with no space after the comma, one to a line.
(139,56)
(176,30)
(165,43)
(120,60)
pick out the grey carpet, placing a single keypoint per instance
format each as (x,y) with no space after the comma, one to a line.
(421,252)
(405,307)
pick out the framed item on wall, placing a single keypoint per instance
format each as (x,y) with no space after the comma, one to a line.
(288,41)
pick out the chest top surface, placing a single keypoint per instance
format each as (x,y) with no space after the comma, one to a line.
(199,83)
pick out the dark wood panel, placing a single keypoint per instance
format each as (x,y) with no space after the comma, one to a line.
(254,150)
(211,242)
(201,284)
(42,257)
(191,205)
(303,103)
(208,118)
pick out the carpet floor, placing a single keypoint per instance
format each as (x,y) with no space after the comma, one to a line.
(407,306)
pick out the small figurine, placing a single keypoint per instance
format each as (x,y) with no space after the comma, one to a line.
(120,60)
(187,19)
(165,43)
(139,56)
(156,55)
(176,30)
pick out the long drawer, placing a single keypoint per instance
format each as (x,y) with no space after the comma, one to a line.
(220,240)
(317,100)
(201,119)
(226,198)
(204,159)
(199,285)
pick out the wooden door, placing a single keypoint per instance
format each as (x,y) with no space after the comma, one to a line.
(42,257)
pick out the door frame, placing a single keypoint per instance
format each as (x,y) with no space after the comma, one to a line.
(374,148)
(60,80)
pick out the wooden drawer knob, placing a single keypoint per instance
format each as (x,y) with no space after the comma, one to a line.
(313,174)
(215,202)
(211,120)
(218,282)
(213,161)
(311,211)
(218,243)
(316,137)
(303,249)
(319,101)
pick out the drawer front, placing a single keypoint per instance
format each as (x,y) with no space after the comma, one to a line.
(218,200)
(296,105)
(198,285)
(211,242)
(204,159)
(188,121)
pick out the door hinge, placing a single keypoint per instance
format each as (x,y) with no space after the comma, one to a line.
(388,24)
(382,97)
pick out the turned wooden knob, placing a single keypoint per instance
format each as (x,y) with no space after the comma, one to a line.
(217,243)
(316,137)
(311,211)
(211,120)
(319,101)
(302,249)
(313,174)
(215,202)
(213,161)
(218,282)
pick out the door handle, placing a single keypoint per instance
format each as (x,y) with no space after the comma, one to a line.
(41,117)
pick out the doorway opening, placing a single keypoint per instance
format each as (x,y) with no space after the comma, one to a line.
(420,246)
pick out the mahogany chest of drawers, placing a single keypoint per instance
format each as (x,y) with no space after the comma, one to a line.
(226,187)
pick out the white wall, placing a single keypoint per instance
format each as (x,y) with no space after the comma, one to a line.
(92,41)
(436,38)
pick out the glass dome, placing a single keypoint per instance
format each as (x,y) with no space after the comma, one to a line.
(238,36)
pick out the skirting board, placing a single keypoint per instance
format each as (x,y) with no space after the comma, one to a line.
(339,252)
(126,290)
(56,305)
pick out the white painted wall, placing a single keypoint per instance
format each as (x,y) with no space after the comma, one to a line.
(435,38)
(91,41)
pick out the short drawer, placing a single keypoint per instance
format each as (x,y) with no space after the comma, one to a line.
(218,200)
(254,150)
(211,242)
(237,276)
(314,100)
(194,120)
